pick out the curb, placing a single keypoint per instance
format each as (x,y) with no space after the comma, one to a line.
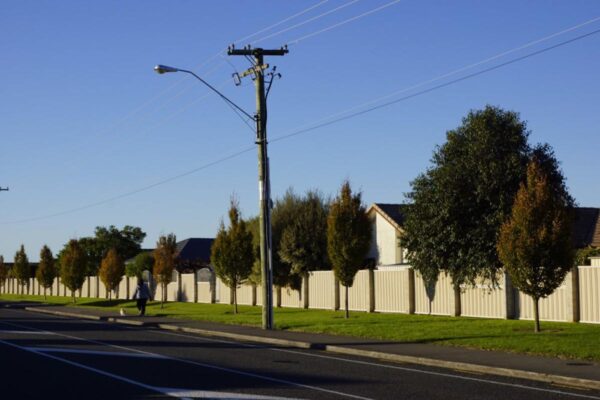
(577,383)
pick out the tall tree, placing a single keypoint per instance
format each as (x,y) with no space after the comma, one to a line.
(459,203)
(46,271)
(142,262)
(3,272)
(111,271)
(284,211)
(73,264)
(348,236)
(93,254)
(164,262)
(303,243)
(232,253)
(535,243)
(21,268)
(126,241)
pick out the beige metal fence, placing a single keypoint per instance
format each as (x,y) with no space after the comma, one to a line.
(436,298)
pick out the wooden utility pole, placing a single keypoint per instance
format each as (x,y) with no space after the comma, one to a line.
(257,71)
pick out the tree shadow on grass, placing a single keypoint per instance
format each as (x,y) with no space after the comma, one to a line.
(107,303)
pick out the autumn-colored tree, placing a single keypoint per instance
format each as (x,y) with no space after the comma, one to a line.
(73,266)
(111,271)
(46,271)
(3,272)
(21,268)
(164,262)
(535,243)
(348,236)
(232,253)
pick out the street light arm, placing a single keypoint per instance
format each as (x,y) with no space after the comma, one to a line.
(219,93)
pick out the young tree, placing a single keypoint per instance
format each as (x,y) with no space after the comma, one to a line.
(46,272)
(73,265)
(142,262)
(3,272)
(111,271)
(303,243)
(535,243)
(164,262)
(348,236)
(21,268)
(232,253)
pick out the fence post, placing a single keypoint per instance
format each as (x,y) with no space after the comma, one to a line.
(253,294)
(213,287)
(457,303)
(371,290)
(195,286)
(411,291)
(509,294)
(336,293)
(305,291)
(574,310)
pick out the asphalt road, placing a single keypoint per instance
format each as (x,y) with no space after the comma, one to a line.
(44,356)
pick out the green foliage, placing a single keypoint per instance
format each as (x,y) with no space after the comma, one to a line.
(142,262)
(73,265)
(164,262)
(459,203)
(582,256)
(303,243)
(535,243)
(3,271)
(348,236)
(232,253)
(47,271)
(93,254)
(111,271)
(127,241)
(21,268)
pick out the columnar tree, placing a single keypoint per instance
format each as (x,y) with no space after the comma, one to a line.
(283,215)
(164,262)
(142,262)
(232,253)
(111,271)
(3,272)
(46,271)
(303,243)
(348,236)
(535,243)
(21,268)
(73,264)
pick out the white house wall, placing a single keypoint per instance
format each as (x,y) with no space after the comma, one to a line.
(384,243)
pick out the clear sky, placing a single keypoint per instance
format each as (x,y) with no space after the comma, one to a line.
(84,118)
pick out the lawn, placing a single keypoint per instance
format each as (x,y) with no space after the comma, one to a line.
(557,339)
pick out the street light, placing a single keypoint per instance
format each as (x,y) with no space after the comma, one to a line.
(263,178)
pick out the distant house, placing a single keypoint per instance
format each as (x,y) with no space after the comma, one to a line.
(388,220)
(193,254)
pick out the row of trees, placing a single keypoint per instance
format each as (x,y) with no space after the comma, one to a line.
(309,233)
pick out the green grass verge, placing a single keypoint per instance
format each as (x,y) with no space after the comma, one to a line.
(557,339)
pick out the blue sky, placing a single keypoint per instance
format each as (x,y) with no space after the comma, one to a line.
(84,118)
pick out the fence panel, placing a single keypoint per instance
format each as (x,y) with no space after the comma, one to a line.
(484,300)
(223,292)
(291,298)
(553,308)
(187,287)
(321,290)
(358,293)
(437,299)
(391,290)
(204,294)
(589,293)
(245,294)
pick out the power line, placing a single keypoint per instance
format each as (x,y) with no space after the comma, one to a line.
(305,130)
(384,6)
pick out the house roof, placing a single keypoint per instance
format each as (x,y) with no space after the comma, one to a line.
(194,249)
(586,227)
(393,213)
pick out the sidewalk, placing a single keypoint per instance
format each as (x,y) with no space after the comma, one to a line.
(580,374)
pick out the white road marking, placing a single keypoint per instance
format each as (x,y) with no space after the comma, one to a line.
(205,394)
(200,364)
(24,332)
(92,352)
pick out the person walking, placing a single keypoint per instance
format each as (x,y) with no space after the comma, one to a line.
(141,294)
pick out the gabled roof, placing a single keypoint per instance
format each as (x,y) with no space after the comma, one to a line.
(194,249)
(393,213)
(586,227)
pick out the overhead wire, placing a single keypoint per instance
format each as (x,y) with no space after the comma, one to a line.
(304,130)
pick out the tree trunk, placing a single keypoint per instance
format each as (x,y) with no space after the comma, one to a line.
(536,314)
(346,303)
(73,295)
(235,308)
